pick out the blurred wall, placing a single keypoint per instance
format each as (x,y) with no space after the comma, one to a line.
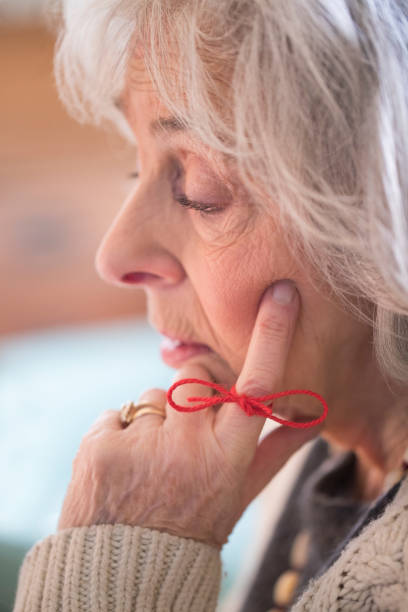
(18,11)
(60,185)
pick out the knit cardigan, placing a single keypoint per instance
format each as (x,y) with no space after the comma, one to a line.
(118,568)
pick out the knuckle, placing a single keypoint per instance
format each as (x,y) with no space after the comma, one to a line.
(254,384)
(153,390)
(103,456)
(103,418)
(154,395)
(97,451)
(109,413)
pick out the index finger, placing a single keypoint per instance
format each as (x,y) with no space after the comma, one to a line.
(264,365)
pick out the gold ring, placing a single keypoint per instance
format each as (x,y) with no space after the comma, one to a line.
(130,411)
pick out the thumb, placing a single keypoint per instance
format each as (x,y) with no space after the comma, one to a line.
(271,455)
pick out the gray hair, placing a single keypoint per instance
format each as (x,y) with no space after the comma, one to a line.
(310,100)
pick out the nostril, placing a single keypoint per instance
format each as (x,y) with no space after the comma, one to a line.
(136,278)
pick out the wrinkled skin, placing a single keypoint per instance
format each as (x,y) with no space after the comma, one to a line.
(191,475)
(206,277)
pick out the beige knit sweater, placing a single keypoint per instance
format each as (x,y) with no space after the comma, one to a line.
(118,568)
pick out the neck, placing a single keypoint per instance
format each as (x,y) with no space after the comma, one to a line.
(375,426)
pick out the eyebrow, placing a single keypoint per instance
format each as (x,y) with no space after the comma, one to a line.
(167,124)
(160,125)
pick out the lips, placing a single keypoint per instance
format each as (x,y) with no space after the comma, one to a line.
(170,336)
(175,352)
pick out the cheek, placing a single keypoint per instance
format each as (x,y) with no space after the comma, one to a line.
(230,308)
(233,283)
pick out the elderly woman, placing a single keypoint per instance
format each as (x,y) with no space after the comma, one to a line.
(269,228)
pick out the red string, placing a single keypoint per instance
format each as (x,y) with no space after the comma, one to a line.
(250,405)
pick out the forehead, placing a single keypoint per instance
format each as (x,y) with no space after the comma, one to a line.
(147,114)
(139,90)
(140,102)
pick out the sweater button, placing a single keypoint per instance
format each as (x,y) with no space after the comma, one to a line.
(300,550)
(285,587)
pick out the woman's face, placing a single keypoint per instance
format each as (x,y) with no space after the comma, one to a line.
(205,271)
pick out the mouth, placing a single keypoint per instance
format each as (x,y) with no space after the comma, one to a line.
(175,352)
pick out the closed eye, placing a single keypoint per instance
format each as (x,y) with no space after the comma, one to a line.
(208,209)
(184,201)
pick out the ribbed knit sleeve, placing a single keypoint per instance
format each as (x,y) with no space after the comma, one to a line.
(118,568)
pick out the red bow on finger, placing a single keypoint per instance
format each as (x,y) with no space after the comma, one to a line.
(249,404)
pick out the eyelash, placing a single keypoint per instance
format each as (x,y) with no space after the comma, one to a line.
(205,209)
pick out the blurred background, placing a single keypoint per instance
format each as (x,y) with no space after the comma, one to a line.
(70,346)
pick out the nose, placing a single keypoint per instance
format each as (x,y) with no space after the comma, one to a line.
(138,248)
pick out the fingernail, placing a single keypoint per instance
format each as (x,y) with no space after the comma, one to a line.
(283,292)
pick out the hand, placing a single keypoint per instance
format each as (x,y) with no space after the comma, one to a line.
(193,474)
